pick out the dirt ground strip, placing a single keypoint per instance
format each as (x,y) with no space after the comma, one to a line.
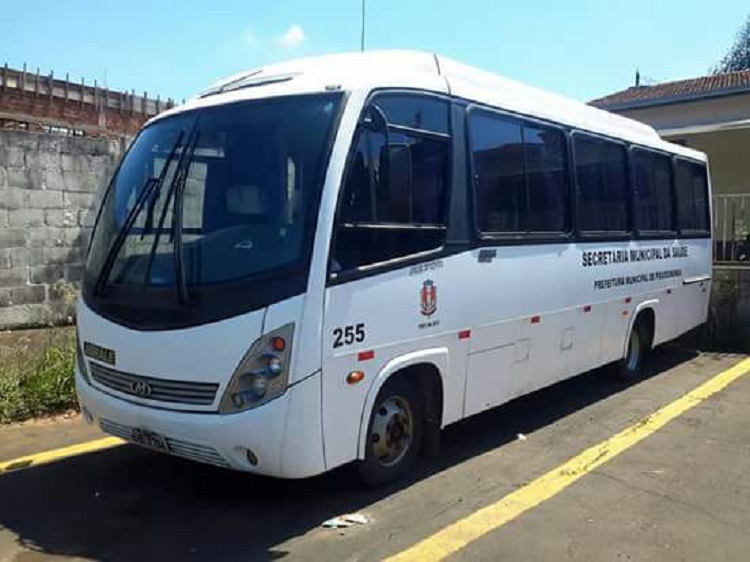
(681,494)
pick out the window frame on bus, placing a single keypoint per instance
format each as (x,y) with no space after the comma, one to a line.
(645,234)
(603,235)
(482,238)
(685,232)
(334,278)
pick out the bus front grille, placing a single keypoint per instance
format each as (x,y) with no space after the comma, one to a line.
(149,388)
(177,447)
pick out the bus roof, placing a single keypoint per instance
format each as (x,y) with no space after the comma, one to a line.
(414,69)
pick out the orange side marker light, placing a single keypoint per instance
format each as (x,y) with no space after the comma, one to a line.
(354,377)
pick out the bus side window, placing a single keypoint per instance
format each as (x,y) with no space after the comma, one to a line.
(393,198)
(691,189)
(499,173)
(520,175)
(546,179)
(601,171)
(653,192)
(700,198)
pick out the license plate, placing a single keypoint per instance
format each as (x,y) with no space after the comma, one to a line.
(150,439)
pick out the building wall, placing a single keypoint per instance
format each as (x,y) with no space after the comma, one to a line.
(726,150)
(728,326)
(48,185)
(35,102)
(60,142)
(37,111)
(728,157)
(702,112)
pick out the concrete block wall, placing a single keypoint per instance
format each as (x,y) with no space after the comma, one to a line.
(48,187)
(728,327)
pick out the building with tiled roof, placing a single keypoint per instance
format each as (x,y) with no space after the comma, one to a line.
(709,113)
(705,87)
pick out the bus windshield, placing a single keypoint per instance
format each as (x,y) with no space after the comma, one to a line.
(214,196)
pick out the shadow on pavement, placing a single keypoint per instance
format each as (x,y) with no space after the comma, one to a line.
(127,503)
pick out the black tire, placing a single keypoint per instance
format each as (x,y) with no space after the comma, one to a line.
(631,366)
(398,414)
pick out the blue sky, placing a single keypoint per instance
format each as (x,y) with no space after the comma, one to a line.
(581,48)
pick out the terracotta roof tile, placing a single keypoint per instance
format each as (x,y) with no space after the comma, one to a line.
(679,90)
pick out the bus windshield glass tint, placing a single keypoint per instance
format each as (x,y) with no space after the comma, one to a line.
(218,195)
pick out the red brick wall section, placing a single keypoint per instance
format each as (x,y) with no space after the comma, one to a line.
(43,103)
(22,105)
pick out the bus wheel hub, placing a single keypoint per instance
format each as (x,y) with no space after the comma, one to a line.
(392,433)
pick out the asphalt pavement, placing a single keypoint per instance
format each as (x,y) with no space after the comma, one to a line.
(682,493)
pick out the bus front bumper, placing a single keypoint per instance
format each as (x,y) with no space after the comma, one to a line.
(284,436)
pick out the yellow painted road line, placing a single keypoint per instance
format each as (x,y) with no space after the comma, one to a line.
(58,454)
(456,536)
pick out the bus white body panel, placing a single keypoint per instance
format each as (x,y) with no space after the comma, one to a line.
(285,434)
(494,319)
(527,319)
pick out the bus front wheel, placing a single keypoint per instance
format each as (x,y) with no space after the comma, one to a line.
(394,432)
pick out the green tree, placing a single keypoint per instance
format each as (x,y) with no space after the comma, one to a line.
(738,57)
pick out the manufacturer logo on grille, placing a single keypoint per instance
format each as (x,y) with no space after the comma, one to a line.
(140,388)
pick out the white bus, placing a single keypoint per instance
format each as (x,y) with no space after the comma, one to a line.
(329,260)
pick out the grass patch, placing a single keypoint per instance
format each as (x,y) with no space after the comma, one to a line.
(36,374)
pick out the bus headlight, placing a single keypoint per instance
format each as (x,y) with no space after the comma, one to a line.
(263,373)
(275,366)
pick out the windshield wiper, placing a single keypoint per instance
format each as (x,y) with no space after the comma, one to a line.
(149,222)
(179,190)
(186,155)
(150,184)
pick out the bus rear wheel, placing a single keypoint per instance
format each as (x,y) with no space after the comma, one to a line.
(631,366)
(394,433)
